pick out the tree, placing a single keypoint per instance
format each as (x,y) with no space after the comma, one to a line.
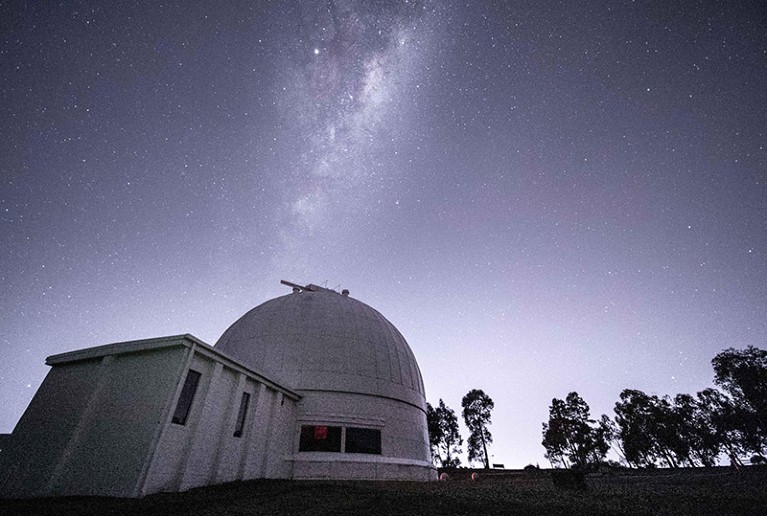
(610,431)
(434,429)
(743,375)
(571,435)
(672,437)
(698,427)
(555,434)
(602,435)
(720,414)
(631,416)
(476,414)
(648,430)
(444,436)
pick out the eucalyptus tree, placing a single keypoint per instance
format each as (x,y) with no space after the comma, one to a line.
(444,435)
(743,375)
(571,437)
(477,407)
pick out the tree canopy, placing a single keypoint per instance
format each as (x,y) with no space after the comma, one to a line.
(476,414)
(687,430)
(743,375)
(444,436)
(571,437)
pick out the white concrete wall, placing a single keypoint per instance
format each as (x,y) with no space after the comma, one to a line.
(253,462)
(404,438)
(208,430)
(231,448)
(45,428)
(100,424)
(205,451)
(117,434)
(280,441)
(267,449)
(91,425)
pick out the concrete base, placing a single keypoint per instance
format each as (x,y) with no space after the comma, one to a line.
(320,466)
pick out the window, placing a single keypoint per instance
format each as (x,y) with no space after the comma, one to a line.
(320,439)
(186,397)
(240,425)
(363,440)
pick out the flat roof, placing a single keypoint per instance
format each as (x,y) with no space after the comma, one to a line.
(185,340)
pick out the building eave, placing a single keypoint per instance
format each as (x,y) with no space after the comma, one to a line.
(186,340)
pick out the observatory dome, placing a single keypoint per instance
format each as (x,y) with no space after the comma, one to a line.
(316,339)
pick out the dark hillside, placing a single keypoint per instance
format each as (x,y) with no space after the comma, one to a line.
(715,491)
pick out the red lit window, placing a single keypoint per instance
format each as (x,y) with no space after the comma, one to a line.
(320,438)
(320,433)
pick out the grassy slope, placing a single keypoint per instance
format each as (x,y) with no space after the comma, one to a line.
(714,492)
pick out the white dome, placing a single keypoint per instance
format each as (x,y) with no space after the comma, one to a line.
(318,340)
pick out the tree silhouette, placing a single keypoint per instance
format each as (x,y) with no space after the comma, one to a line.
(685,430)
(643,428)
(444,435)
(476,414)
(649,430)
(435,431)
(571,434)
(743,375)
(720,415)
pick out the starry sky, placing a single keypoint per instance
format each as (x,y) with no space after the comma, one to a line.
(542,196)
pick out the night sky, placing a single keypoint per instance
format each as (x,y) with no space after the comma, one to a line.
(543,197)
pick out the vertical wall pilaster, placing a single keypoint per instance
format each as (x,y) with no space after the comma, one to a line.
(164,423)
(198,433)
(85,419)
(255,447)
(230,418)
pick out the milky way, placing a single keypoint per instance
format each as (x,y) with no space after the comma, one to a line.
(344,94)
(542,198)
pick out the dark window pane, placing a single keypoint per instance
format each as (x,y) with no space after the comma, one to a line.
(363,440)
(320,438)
(186,397)
(240,425)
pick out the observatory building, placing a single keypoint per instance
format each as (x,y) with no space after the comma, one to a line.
(310,385)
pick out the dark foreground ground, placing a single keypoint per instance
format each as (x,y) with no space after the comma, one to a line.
(717,491)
